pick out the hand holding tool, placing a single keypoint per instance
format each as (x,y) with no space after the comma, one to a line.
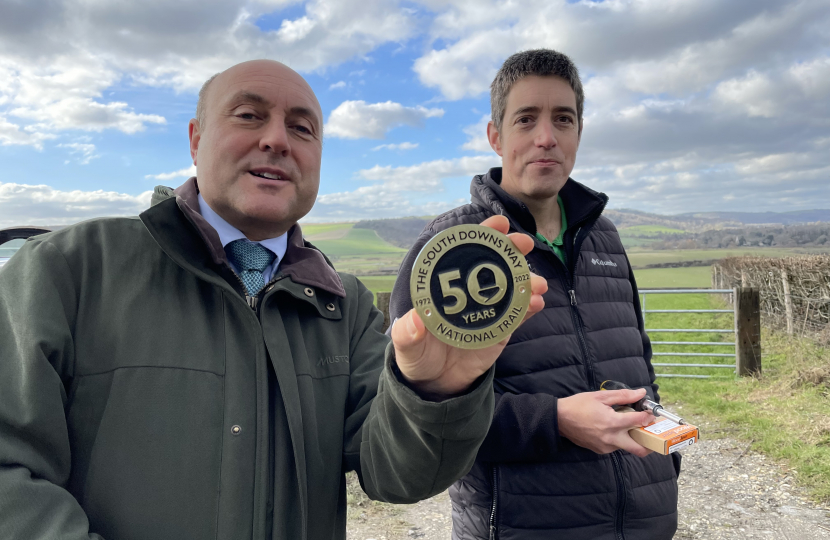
(643,404)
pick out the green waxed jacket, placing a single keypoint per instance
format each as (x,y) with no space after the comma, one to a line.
(135,400)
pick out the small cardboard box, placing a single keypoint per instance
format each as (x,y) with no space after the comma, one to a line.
(664,436)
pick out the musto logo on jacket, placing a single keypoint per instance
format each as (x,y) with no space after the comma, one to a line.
(603,263)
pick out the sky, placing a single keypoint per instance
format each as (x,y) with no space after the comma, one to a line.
(691,105)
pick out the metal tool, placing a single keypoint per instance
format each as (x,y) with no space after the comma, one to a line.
(643,404)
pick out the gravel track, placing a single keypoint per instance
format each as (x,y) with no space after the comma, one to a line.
(726,492)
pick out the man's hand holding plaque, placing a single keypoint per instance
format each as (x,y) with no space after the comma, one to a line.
(471,289)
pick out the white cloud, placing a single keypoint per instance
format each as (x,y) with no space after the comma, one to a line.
(64,95)
(292,31)
(689,104)
(181,173)
(22,204)
(374,202)
(88,115)
(358,119)
(399,146)
(477,136)
(653,46)
(401,191)
(428,176)
(58,58)
(688,101)
(800,91)
(11,134)
(84,151)
(150,42)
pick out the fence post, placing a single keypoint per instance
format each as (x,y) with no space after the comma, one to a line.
(383,305)
(788,301)
(747,331)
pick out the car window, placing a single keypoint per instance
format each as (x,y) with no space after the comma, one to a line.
(9,248)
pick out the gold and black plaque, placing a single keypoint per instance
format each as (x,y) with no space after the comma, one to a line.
(471,286)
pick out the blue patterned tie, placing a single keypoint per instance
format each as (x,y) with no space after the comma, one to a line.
(250,259)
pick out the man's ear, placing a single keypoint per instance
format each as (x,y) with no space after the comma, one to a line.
(195,135)
(494,138)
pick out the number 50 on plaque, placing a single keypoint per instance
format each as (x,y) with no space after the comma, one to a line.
(471,286)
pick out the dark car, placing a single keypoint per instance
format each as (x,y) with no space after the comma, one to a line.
(11,239)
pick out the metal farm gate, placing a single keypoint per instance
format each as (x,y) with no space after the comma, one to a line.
(745,354)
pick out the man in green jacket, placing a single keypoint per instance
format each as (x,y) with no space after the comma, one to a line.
(202,372)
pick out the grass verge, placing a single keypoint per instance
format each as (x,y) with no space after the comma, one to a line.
(784,413)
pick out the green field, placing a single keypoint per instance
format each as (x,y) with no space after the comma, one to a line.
(662,278)
(313,229)
(361,252)
(358,243)
(378,284)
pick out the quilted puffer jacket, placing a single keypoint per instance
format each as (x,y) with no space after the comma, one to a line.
(528,482)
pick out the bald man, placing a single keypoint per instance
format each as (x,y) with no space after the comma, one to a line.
(200,371)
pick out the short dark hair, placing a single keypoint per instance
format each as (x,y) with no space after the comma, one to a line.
(541,62)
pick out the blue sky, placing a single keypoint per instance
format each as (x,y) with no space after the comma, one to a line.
(691,105)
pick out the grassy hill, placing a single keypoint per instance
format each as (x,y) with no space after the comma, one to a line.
(321,231)
(358,251)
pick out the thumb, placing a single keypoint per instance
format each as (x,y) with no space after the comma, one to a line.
(408,332)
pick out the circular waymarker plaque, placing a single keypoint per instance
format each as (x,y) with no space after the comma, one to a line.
(471,286)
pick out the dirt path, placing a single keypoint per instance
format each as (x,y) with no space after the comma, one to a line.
(726,492)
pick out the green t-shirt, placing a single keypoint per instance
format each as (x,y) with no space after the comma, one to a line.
(557,244)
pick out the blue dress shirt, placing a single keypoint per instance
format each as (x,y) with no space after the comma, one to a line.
(228,233)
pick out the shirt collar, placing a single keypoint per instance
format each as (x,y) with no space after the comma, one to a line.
(228,233)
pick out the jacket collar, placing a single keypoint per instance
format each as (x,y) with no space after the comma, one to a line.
(304,263)
(581,202)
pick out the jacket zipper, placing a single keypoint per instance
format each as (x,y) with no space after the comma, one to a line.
(571,287)
(568,282)
(493,534)
(253,301)
(589,367)
(621,498)
(591,379)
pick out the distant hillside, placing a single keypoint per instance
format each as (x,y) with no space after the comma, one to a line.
(401,232)
(625,218)
(699,221)
(695,229)
(763,218)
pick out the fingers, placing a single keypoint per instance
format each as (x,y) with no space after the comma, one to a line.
(625,442)
(538,287)
(628,420)
(500,223)
(522,241)
(621,397)
(538,284)
(589,422)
